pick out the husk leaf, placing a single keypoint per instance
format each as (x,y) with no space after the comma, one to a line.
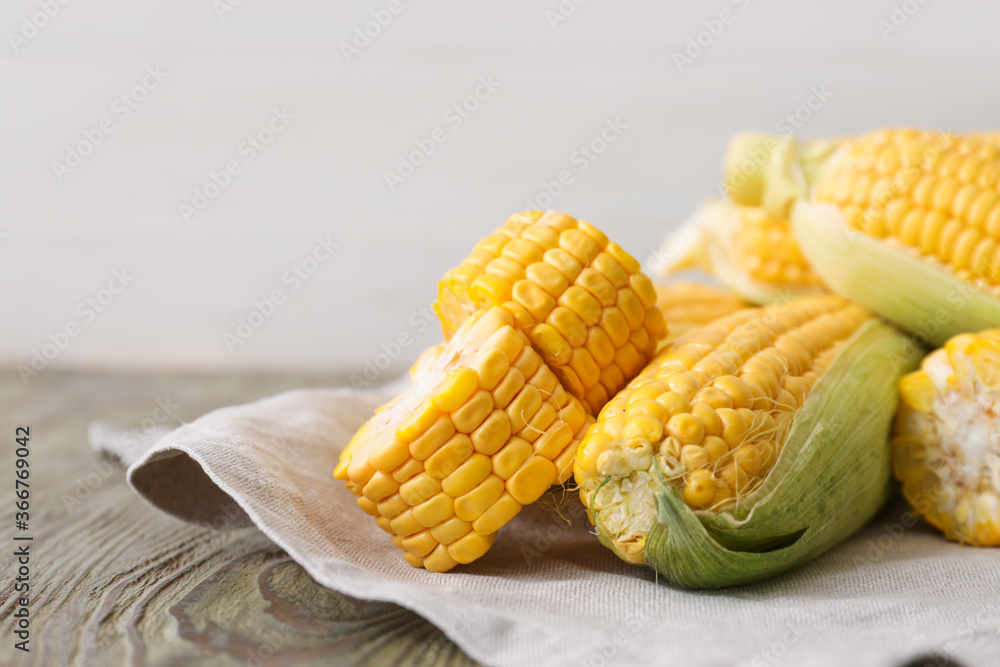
(919,297)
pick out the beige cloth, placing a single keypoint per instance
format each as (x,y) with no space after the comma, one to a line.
(548,593)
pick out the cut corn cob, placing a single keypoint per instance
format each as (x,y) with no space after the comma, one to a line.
(687,304)
(426,362)
(947,445)
(583,301)
(750,252)
(485,431)
(750,444)
(906,223)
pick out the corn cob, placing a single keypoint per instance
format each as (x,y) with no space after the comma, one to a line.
(485,431)
(750,252)
(687,304)
(583,301)
(906,223)
(721,462)
(426,362)
(947,445)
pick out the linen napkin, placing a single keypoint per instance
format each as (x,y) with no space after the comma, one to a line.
(548,593)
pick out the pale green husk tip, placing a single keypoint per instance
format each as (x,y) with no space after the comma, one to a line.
(916,295)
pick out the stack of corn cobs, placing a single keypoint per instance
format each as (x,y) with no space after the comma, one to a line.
(718,435)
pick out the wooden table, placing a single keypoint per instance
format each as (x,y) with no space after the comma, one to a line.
(115,582)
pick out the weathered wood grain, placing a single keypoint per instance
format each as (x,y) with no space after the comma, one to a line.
(115,582)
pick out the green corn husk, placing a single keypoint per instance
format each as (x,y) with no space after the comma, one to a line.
(832,476)
(916,295)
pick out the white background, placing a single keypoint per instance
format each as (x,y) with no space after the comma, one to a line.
(324,175)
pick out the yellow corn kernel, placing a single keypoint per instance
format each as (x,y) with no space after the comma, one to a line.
(686,428)
(469,548)
(380,486)
(434,510)
(523,407)
(553,442)
(420,544)
(467,476)
(450,530)
(528,362)
(472,504)
(555,349)
(492,434)
(569,326)
(439,560)
(407,470)
(508,460)
(699,489)
(456,388)
(419,489)
(390,455)
(391,506)
(417,421)
(539,422)
(468,417)
(533,479)
(489,369)
(432,438)
(405,525)
(450,456)
(918,391)
(499,513)
(505,392)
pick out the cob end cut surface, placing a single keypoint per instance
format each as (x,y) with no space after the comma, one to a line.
(947,444)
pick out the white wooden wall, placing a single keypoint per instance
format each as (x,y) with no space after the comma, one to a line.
(557,86)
